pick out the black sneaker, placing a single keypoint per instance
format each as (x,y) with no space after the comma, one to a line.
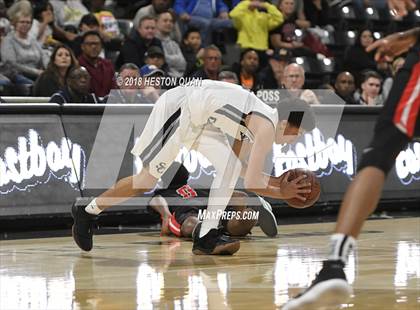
(213,243)
(266,218)
(329,289)
(82,229)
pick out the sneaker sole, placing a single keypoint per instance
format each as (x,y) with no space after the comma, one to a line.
(225,249)
(73,233)
(325,295)
(77,242)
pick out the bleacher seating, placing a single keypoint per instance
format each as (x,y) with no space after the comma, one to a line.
(125,26)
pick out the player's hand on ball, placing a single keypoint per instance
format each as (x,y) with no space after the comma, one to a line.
(294,188)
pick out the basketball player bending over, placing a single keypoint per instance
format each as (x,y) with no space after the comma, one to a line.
(204,116)
(395,127)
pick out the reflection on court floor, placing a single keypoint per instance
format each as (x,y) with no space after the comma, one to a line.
(145,271)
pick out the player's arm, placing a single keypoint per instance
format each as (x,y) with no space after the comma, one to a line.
(394,44)
(257,181)
(242,150)
(400,8)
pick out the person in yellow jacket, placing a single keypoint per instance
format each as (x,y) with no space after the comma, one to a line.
(254,20)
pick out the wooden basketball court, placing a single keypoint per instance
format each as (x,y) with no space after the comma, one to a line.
(146,271)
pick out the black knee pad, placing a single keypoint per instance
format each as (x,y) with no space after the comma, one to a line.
(385,146)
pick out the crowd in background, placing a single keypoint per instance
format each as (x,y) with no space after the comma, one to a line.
(84,50)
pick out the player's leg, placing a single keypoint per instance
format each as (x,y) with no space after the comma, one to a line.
(84,212)
(207,237)
(183,221)
(241,226)
(157,147)
(393,131)
(159,204)
(188,226)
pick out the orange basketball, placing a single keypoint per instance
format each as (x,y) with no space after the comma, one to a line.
(311,197)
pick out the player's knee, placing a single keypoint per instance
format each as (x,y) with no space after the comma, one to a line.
(144,180)
(188,226)
(241,227)
(374,158)
(384,149)
(238,200)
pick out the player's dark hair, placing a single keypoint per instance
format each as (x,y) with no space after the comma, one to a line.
(176,176)
(297,112)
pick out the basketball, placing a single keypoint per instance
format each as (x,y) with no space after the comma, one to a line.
(311,197)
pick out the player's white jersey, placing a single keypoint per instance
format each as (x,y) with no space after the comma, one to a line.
(225,106)
(183,114)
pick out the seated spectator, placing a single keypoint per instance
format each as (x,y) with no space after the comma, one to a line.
(149,87)
(87,23)
(108,24)
(44,28)
(206,15)
(212,64)
(173,54)
(54,77)
(253,20)
(370,89)
(69,12)
(294,79)
(356,59)
(155,8)
(316,12)
(41,28)
(299,12)
(12,82)
(138,41)
(21,50)
(155,56)
(344,87)
(397,64)
(247,70)
(105,23)
(76,89)
(284,36)
(4,81)
(130,89)
(271,77)
(229,77)
(192,50)
(4,21)
(101,70)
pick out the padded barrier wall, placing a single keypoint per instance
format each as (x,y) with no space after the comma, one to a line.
(45,151)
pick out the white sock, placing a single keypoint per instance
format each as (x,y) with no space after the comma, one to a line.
(92,208)
(218,200)
(340,247)
(207,225)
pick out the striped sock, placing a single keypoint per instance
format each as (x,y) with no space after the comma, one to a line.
(340,247)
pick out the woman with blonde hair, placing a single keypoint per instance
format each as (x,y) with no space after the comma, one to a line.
(20,49)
